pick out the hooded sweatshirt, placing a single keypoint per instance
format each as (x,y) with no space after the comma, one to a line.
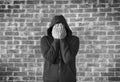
(59,54)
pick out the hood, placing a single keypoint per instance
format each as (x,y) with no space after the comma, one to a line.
(59,19)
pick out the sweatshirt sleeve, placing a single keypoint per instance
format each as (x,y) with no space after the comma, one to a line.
(49,51)
(69,51)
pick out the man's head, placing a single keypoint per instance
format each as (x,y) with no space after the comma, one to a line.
(59,21)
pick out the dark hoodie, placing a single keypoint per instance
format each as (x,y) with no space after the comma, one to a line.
(59,54)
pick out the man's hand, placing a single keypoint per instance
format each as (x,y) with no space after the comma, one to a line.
(58,31)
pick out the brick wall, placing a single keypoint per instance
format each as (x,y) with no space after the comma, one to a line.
(95,22)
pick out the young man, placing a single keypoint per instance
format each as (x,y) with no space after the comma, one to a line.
(59,49)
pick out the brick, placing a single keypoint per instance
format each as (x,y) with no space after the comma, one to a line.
(105,9)
(5,2)
(19,2)
(83,15)
(86,69)
(117,64)
(5,73)
(113,78)
(98,15)
(2,24)
(116,18)
(30,6)
(99,24)
(105,19)
(2,42)
(14,78)
(40,24)
(12,33)
(45,20)
(6,64)
(32,1)
(29,60)
(62,2)
(26,15)
(2,6)
(13,69)
(3,78)
(13,51)
(39,73)
(90,1)
(99,42)
(91,10)
(117,28)
(27,42)
(93,74)
(114,69)
(76,1)
(29,78)
(70,15)
(106,37)
(20,74)
(117,60)
(84,24)
(113,14)
(91,37)
(107,65)
(92,56)
(88,78)
(1,34)
(99,5)
(59,11)
(75,20)
(117,74)
(32,73)
(14,60)
(101,79)
(117,9)
(76,10)
(85,6)
(20,64)
(117,32)
(5,11)
(39,79)
(13,6)
(105,1)
(19,20)
(6,38)
(47,2)
(71,6)
(33,10)
(116,1)
(112,23)
(91,19)
(99,33)
(18,10)
(2,69)
(12,15)
(51,6)
(110,33)
(80,73)
(9,42)
(48,11)
(114,5)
